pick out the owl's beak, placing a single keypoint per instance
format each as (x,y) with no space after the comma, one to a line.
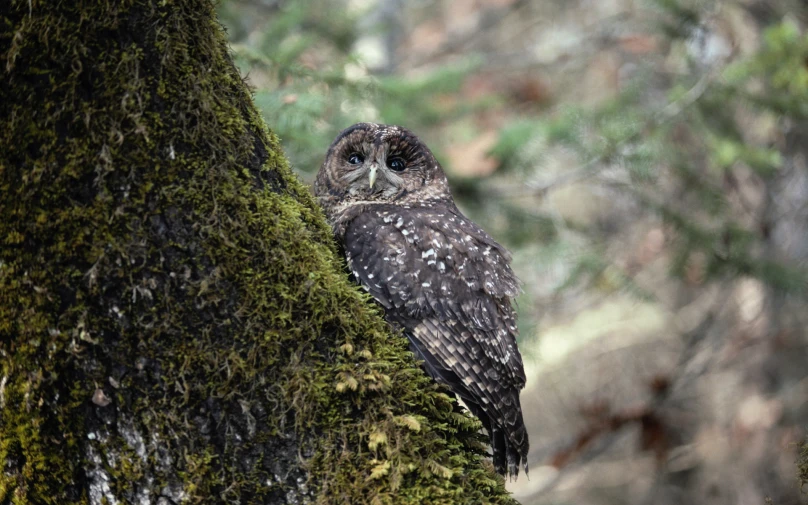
(372,175)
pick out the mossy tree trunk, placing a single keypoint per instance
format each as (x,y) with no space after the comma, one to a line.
(175,326)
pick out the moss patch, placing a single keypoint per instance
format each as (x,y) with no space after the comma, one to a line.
(174,321)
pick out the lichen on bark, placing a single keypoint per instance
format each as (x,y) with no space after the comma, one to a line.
(175,326)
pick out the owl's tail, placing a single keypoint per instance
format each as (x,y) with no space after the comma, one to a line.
(506,429)
(502,419)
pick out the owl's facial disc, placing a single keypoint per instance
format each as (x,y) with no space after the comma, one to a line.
(367,171)
(372,162)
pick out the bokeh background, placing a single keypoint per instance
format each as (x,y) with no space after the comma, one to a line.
(647,164)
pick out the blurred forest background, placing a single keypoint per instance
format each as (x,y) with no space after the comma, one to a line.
(647,164)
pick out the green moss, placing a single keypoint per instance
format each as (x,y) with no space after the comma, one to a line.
(157,247)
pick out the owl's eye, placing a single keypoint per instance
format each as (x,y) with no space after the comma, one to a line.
(396,164)
(355,158)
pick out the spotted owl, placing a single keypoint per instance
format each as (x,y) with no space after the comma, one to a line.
(440,278)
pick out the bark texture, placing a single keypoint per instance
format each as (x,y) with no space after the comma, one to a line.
(175,326)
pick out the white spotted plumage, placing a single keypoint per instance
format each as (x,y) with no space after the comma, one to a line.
(440,278)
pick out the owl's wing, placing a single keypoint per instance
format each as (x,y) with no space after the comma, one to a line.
(446,282)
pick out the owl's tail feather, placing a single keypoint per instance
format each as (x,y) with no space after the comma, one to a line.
(509,442)
(503,421)
(517,448)
(499,448)
(513,425)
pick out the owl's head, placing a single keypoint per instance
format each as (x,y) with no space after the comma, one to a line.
(374,162)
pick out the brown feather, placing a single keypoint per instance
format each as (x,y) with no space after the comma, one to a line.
(440,278)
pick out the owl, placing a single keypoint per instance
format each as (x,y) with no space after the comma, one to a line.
(439,277)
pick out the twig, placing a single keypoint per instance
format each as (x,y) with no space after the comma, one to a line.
(676,107)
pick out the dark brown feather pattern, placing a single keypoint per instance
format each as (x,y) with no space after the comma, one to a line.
(440,278)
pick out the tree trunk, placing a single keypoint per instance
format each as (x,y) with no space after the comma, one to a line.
(175,326)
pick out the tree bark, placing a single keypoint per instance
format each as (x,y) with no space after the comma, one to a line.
(175,326)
